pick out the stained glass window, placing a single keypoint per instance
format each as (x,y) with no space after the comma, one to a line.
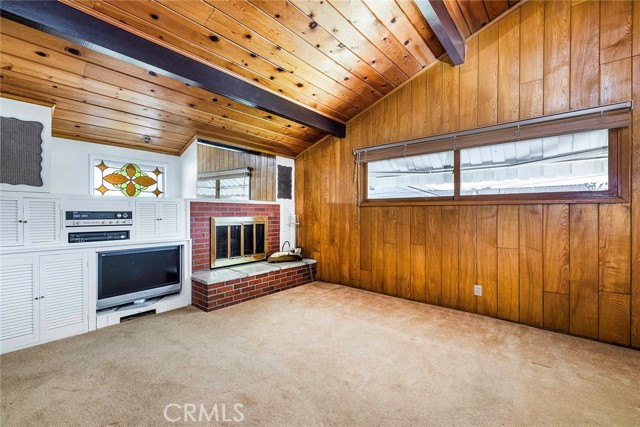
(125,179)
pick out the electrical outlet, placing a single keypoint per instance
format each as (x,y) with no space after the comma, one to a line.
(477,290)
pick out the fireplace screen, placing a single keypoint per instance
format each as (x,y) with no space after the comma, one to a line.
(236,240)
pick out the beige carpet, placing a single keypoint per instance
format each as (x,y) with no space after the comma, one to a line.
(321,355)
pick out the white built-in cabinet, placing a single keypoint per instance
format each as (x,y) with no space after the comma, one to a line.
(42,298)
(29,221)
(48,286)
(155,219)
(64,299)
(19,301)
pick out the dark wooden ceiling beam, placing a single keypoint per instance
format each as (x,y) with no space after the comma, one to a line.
(70,24)
(439,19)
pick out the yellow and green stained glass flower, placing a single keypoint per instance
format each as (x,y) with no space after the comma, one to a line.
(130,180)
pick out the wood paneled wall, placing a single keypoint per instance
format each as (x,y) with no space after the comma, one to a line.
(571,268)
(263,168)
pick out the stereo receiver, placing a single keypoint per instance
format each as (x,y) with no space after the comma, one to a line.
(98,218)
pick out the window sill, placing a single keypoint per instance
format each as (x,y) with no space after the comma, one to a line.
(482,200)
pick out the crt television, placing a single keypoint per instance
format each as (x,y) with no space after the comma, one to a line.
(136,274)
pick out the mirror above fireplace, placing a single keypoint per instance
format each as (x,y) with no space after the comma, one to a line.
(238,240)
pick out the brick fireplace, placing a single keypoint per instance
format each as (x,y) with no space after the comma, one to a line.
(201,213)
(222,287)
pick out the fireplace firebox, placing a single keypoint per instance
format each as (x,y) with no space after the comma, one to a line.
(238,240)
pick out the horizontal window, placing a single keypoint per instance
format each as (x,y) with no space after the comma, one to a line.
(567,163)
(427,175)
(577,156)
(577,166)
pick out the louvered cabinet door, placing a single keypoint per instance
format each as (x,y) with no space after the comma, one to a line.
(19,314)
(170,219)
(146,220)
(64,295)
(11,226)
(41,221)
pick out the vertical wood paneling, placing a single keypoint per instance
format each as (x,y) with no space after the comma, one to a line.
(531,34)
(404,113)
(418,264)
(378,124)
(488,76)
(509,68)
(615,248)
(404,252)
(467,232)
(614,319)
(418,117)
(451,98)
(418,229)
(389,259)
(508,226)
(469,86)
(377,260)
(433,254)
(487,259)
(615,30)
(615,81)
(508,268)
(418,280)
(556,248)
(353,211)
(434,99)
(531,59)
(583,289)
(636,29)
(366,233)
(531,265)
(389,225)
(326,251)
(585,55)
(569,268)
(450,256)
(556,312)
(390,262)
(635,199)
(391,118)
(345,200)
(508,284)
(557,48)
(531,95)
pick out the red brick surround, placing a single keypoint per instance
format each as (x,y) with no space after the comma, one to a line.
(201,212)
(224,294)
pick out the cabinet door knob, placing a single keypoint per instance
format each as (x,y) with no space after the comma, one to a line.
(36,298)
(42,297)
(20,221)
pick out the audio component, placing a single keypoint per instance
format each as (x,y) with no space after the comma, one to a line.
(98,218)
(98,236)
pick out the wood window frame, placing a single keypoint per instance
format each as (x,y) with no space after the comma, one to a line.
(618,191)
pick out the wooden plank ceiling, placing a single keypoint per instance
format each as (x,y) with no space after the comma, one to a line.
(335,57)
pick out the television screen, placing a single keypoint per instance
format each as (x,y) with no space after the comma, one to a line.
(131,271)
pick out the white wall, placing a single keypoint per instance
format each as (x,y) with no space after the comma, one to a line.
(189,164)
(287,207)
(71,166)
(69,169)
